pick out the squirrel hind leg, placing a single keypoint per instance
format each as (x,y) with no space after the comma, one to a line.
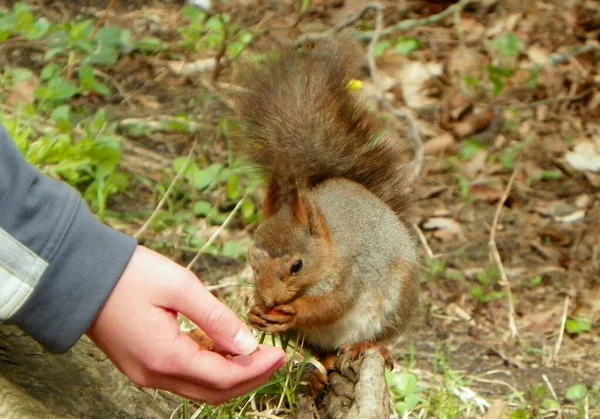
(318,379)
(355,350)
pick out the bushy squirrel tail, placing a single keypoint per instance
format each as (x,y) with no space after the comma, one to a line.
(302,124)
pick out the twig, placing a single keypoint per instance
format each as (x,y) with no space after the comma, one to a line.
(415,135)
(217,232)
(162,201)
(557,58)
(409,24)
(319,36)
(419,149)
(512,325)
(550,387)
(423,241)
(371,48)
(221,52)
(561,333)
(102,19)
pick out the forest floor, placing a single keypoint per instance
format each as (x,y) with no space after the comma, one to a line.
(506,96)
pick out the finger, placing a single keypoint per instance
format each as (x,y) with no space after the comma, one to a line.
(275,317)
(286,309)
(213,370)
(212,316)
(198,392)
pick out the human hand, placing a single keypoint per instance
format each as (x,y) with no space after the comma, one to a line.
(137,329)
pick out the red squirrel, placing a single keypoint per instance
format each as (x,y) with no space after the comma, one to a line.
(333,257)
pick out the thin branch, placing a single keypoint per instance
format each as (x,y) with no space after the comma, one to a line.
(409,24)
(415,135)
(561,333)
(419,149)
(217,232)
(319,36)
(556,58)
(512,324)
(423,241)
(162,201)
(102,19)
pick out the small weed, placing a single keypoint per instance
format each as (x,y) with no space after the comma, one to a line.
(485,291)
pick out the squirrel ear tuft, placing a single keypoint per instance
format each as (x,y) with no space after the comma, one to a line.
(273,199)
(307,215)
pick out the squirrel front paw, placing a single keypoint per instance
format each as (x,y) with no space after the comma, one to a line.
(279,319)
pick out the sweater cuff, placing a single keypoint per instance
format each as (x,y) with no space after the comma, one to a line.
(89,260)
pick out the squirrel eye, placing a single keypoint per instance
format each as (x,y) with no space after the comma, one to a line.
(296,267)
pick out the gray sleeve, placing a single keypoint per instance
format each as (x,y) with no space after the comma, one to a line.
(58,264)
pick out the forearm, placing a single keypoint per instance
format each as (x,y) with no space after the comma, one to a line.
(318,311)
(58,264)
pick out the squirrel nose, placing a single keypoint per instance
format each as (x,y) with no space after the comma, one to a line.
(269,302)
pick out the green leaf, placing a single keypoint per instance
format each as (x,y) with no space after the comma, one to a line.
(509,44)
(578,325)
(381,47)
(577,392)
(405,46)
(551,174)
(206,178)
(248,209)
(104,55)
(38,29)
(550,404)
(233,184)
(149,44)
(61,115)
(233,249)
(51,70)
(470,148)
(57,89)
(201,208)
(180,161)
(305,6)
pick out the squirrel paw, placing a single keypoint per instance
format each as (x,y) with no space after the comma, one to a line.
(279,319)
(357,349)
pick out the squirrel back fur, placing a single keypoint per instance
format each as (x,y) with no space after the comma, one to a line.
(304,125)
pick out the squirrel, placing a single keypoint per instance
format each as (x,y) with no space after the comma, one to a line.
(333,257)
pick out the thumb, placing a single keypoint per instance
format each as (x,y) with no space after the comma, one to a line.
(214,318)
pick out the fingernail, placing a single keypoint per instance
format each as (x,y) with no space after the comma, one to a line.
(245,342)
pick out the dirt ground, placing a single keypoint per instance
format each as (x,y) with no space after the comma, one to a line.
(547,232)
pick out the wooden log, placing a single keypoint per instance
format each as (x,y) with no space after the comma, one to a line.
(357,389)
(79,384)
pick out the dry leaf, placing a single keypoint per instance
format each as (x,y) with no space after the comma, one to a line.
(413,76)
(439,144)
(22,92)
(498,410)
(445,229)
(585,157)
(182,68)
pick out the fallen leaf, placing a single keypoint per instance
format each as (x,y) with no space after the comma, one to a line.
(585,157)
(439,144)
(476,165)
(498,410)
(22,92)
(445,229)
(413,77)
(183,68)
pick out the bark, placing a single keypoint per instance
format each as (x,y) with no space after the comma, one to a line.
(356,390)
(82,383)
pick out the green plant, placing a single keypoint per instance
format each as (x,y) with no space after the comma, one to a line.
(406,392)
(22,22)
(212,32)
(578,325)
(87,158)
(485,291)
